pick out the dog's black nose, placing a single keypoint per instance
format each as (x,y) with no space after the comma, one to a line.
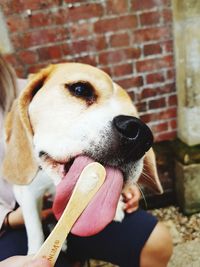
(135,136)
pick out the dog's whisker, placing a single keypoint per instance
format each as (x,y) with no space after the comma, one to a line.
(149,163)
(142,194)
(149,178)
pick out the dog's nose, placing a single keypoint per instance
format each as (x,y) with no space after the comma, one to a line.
(135,136)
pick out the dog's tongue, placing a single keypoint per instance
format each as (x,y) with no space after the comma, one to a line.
(101,210)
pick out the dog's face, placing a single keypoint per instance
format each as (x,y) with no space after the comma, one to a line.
(78,111)
(71,110)
(69,116)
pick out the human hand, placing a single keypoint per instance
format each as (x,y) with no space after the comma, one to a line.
(131,197)
(24,261)
(16,220)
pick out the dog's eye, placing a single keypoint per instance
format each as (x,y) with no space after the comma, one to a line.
(82,89)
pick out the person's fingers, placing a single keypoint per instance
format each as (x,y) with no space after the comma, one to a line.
(131,198)
(47,213)
(131,206)
(25,261)
(38,263)
(15,261)
(15,218)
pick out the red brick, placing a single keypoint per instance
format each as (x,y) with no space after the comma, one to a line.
(148,92)
(116,6)
(167,3)
(5,6)
(85,45)
(155,91)
(18,6)
(17,41)
(123,69)
(167,16)
(107,69)
(50,52)
(12,59)
(155,78)
(117,40)
(168,88)
(141,106)
(152,49)
(13,7)
(150,18)
(99,43)
(118,56)
(173,124)
(114,24)
(168,46)
(131,94)
(74,1)
(36,68)
(147,4)
(87,11)
(77,26)
(152,34)
(148,117)
(168,113)
(165,136)
(172,100)
(28,57)
(154,64)
(90,59)
(41,37)
(171,75)
(67,49)
(80,30)
(82,46)
(3,2)
(60,16)
(20,72)
(157,103)
(40,20)
(161,127)
(17,23)
(131,82)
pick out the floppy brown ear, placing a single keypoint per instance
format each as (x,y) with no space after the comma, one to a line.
(150,174)
(19,164)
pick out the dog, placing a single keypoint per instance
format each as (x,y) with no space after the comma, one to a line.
(69,115)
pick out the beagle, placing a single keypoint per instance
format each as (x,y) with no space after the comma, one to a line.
(69,115)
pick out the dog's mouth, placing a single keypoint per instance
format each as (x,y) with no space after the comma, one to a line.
(102,208)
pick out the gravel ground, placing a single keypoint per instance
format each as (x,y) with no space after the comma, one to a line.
(183,228)
(185,231)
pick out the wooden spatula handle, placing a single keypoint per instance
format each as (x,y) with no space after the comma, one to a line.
(89,182)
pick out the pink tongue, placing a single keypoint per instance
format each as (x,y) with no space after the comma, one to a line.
(101,210)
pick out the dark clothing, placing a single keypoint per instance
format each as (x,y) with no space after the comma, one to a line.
(119,243)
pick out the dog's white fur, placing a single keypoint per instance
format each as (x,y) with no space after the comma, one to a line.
(65,127)
(30,198)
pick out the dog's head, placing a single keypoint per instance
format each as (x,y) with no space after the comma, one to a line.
(71,110)
(70,115)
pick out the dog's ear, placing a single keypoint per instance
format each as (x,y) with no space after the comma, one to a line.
(150,174)
(19,164)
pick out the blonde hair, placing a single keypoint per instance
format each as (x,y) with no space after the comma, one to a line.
(8,87)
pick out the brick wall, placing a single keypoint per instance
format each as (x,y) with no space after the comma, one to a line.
(129,39)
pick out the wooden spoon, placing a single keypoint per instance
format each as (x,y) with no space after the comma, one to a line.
(89,182)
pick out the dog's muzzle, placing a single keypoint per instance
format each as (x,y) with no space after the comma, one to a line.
(134,137)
